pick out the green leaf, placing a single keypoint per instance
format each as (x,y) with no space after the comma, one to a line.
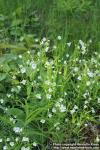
(3,76)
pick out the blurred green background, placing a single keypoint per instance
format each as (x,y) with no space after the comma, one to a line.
(73,19)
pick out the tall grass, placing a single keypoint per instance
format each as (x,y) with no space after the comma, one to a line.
(73,19)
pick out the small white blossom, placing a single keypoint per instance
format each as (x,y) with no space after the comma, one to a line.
(8,139)
(49,115)
(58,128)
(17,129)
(72,111)
(85,106)
(1,101)
(8,95)
(97,139)
(11,144)
(46,49)
(20,56)
(79,78)
(19,87)
(66,120)
(75,69)
(25,139)
(25,148)
(5,147)
(88,83)
(59,37)
(34,144)
(62,108)
(44,39)
(1,140)
(90,74)
(23,70)
(99,100)
(69,44)
(38,96)
(33,65)
(23,82)
(48,96)
(54,110)
(14,77)
(17,139)
(42,121)
(12,90)
(75,107)
(56,124)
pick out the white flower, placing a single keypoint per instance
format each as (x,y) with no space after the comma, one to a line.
(17,129)
(90,74)
(50,90)
(25,148)
(34,144)
(54,110)
(69,44)
(49,115)
(1,140)
(56,124)
(72,111)
(66,120)
(36,40)
(12,120)
(76,69)
(59,37)
(11,143)
(85,106)
(13,77)
(97,139)
(75,107)
(88,83)
(12,90)
(48,96)
(33,65)
(46,49)
(5,147)
(99,100)
(44,39)
(28,52)
(58,128)
(57,104)
(25,139)
(42,121)
(93,111)
(79,78)
(54,46)
(19,87)
(1,101)
(85,124)
(8,139)
(67,55)
(23,70)
(65,62)
(81,42)
(17,139)
(20,56)
(62,108)
(61,100)
(23,82)
(47,82)
(8,95)
(38,96)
